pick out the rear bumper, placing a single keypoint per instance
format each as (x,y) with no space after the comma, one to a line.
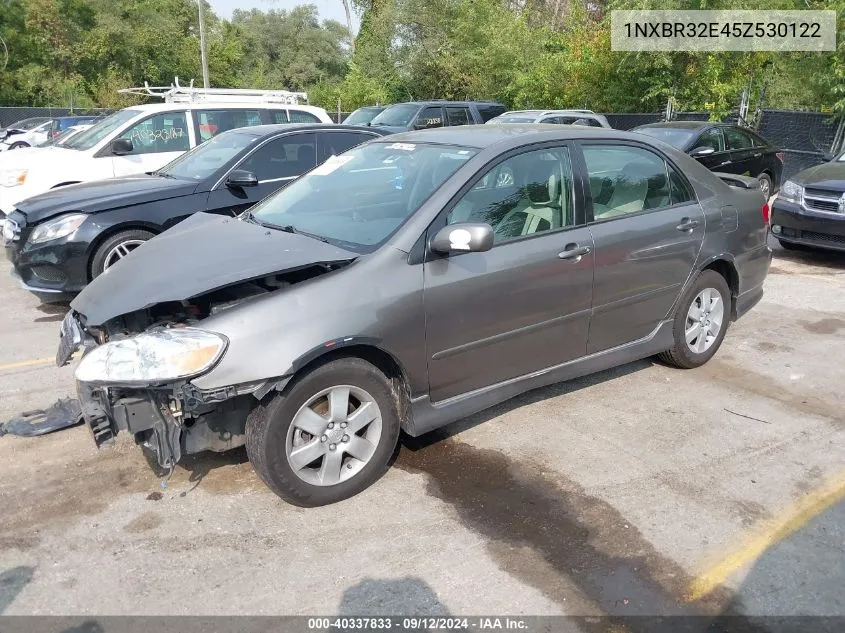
(793,224)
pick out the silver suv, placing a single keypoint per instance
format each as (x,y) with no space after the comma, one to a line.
(558,117)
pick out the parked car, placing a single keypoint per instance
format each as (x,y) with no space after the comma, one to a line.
(420,115)
(363,116)
(556,117)
(810,208)
(404,285)
(136,140)
(59,240)
(49,128)
(24,125)
(724,148)
(65,135)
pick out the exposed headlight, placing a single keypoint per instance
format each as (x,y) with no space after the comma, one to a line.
(791,191)
(13,177)
(61,226)
(155,356)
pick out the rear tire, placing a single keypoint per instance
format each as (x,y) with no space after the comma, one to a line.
(115,248)
(701,321)
(309,463)
(765,185)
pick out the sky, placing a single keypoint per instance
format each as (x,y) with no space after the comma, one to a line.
(329,9)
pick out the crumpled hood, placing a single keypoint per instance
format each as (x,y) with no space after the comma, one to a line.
(103,195)
(199,255)
(826,175)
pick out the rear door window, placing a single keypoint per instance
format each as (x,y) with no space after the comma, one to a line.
(166,132)
(301,116)
(335,143)
(285,157)
(737,139)
(458,115)
(210,123)
(490,111)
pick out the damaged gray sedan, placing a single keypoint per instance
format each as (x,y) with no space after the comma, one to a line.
(405,284)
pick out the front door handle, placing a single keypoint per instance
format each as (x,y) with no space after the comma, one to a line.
(727,162)
(687,225)
(574,253)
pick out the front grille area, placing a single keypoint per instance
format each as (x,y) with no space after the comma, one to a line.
(48,273)
(822,199)
(823,237)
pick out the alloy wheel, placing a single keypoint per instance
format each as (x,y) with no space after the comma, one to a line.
(704,320)
(333,435)
(119,252)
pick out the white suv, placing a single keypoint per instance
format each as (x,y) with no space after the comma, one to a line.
(135,140)
(556,117)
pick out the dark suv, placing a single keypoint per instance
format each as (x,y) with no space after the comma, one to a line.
(421,115)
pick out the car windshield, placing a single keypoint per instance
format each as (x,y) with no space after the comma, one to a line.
(100,130)
(677,137)
(61,138)
(515,118)
(358,199)
(362,116)
(398,115)
(205,159)
(28,124)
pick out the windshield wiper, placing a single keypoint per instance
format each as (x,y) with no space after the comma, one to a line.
(290,228)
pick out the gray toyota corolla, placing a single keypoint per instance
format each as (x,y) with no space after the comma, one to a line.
(407,283)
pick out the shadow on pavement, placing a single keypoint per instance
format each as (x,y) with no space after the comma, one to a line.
(12,582)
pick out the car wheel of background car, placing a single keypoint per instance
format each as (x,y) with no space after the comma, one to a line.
(19,145)
(700,322)
(330,436)
(765,184)
(116,248)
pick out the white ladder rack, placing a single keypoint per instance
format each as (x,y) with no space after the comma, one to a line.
(188,94)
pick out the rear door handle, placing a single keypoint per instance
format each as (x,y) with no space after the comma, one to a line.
(574,253)
(687,225)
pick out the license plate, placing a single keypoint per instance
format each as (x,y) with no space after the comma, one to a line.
(70,338)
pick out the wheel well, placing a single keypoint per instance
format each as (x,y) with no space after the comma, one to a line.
(727,270)
(113,231)
(383,361)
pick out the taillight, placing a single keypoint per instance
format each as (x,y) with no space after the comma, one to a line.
(780,156)
(766,214)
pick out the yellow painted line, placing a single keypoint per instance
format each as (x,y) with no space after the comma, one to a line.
(808,507)
(27,363)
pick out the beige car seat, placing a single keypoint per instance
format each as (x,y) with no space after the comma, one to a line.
(630,189)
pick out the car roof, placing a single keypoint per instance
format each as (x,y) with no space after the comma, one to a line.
(169,107)
(683,125)
(515,135)
(445,102)
(276,128)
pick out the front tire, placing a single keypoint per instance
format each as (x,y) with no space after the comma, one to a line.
(20,145)
(329,437)
(116,248)
(701,321)
(765,185)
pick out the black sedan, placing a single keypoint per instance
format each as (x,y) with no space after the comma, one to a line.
(60,240)
(810,209)
(723,148)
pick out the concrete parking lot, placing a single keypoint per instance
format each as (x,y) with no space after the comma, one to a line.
(641,490)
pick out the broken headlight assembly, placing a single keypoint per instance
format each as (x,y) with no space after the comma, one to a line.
(161,355)
(54,229)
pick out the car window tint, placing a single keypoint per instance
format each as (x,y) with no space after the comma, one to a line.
(458,116)
(335,143)
(679,190)
(167,132)
(300,116)
(711,138)
(279,116)
(737,139)
(212,122)
(489,111)
(625,180)
(431,116)
(525,194)
(557,120)
(283,157)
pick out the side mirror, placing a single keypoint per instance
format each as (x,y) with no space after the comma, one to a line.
(827,157)
(463,238)
(702,151)
(241,178)
(121,146)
